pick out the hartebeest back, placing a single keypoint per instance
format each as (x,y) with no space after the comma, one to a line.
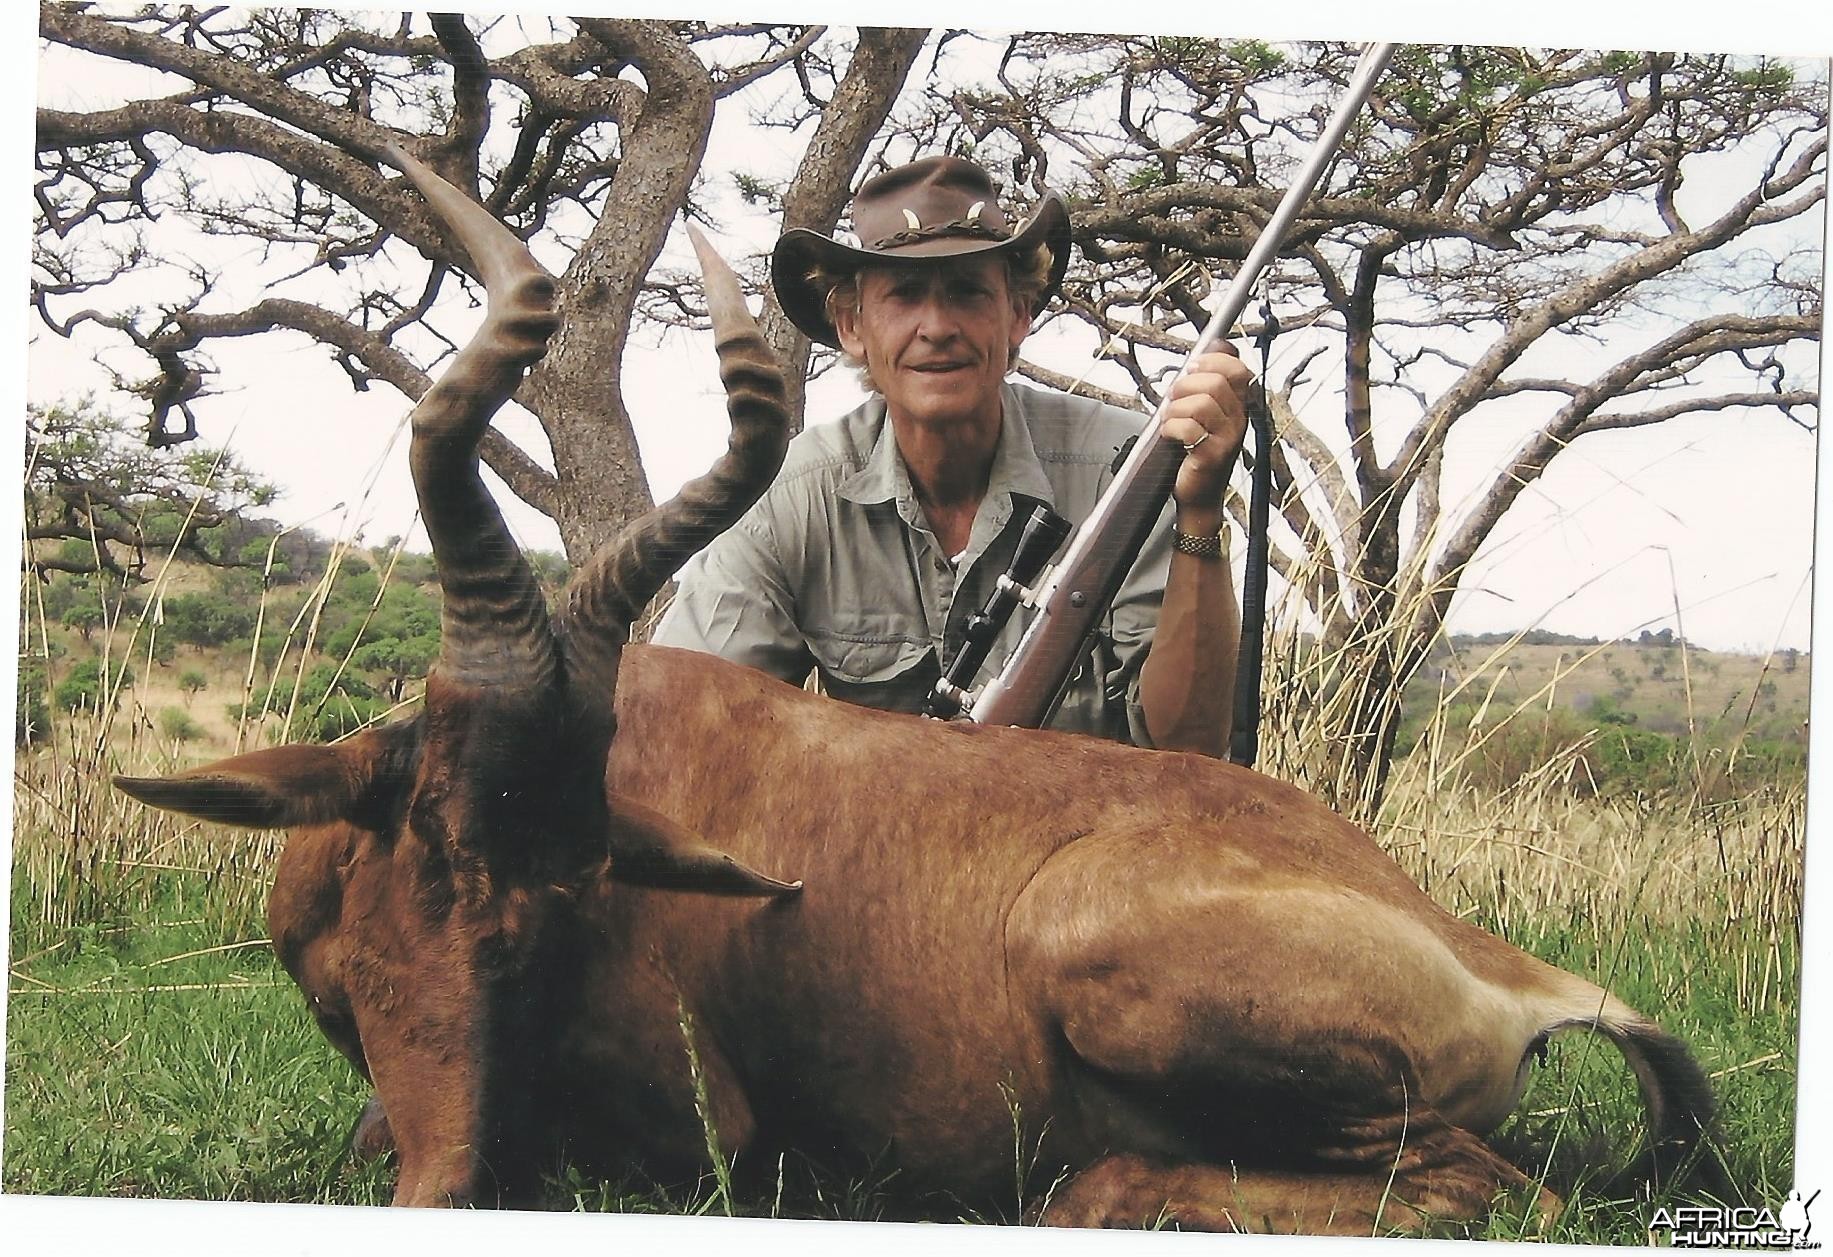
(1212,999)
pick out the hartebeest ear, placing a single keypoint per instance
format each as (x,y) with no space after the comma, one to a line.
(281,786)
(649,849)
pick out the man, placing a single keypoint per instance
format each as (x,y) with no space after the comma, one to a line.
(886,530)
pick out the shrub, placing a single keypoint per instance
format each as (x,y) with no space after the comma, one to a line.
(84,617)
(207,620)
(254,554)
(82,686)
(331,705)
(1625,760)
(176,724)
(162,648)
(1605,711)
(61,592)
(398,660)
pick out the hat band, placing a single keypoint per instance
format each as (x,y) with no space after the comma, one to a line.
(960,227)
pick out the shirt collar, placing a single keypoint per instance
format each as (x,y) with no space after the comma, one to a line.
(882,477)
(1016,469)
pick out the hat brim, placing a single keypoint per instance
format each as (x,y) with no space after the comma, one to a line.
(801,251)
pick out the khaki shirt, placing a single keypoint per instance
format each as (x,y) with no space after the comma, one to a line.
(835,569)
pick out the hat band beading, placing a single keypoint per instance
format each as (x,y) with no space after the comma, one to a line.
(960,227)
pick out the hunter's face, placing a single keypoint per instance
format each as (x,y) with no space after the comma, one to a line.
(936,338)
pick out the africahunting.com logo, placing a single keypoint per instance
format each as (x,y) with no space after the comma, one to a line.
(1743,1226)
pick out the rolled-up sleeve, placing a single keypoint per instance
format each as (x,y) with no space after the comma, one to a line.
(733,600)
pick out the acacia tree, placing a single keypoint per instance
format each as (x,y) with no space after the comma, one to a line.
(1492,204)
(1492,207)
(97,500)
(587,132)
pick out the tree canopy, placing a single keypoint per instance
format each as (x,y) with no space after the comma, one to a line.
(1572,242)
(1497,216)
(96,499)
(586,135)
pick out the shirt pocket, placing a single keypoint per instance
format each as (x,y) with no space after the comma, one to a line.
(875,666)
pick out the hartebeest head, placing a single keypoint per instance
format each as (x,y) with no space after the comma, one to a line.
(416,903)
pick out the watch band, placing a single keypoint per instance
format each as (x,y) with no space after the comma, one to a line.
(1208,546)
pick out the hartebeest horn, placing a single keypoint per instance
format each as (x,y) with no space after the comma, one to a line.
(494,620)
(611,590)
(495,625)
(608,594)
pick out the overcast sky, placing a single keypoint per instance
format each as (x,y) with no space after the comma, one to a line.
(1713,516)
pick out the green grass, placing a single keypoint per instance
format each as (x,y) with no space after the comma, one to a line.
(132,1073)
(1576,1121)
(136,1069)
(1645,718)
(155,1048)
(1663,687)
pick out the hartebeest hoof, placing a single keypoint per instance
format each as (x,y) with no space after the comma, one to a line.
(371,1139)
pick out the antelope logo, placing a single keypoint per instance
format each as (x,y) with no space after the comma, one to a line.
(1743,1226)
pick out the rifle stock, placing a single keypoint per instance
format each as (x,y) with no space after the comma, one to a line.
(1091,570)
(1083,584)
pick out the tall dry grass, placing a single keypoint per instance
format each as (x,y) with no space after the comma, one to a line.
(1721,848)
(1582,879)
(85,854)
(83,851)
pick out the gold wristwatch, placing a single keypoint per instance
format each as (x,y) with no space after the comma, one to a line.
(1208,546)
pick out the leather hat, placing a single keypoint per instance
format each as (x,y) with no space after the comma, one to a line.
(940,207)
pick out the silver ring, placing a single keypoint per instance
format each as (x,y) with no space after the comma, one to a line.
(1193,444)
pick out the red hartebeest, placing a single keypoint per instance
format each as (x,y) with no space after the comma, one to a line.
(1218,1001)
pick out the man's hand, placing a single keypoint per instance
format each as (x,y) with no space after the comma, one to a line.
(1187,683)
(1208,415)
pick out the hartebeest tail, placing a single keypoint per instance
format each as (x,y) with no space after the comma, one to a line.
(1682,1145)
(1682,1111)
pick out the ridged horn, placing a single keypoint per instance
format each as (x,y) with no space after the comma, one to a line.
(494,620)
(608,594)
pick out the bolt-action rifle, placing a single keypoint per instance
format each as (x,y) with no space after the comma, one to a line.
(1072,595)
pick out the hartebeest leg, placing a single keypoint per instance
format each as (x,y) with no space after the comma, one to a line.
(1126,1191)
(1451,1177)
(1355,1148)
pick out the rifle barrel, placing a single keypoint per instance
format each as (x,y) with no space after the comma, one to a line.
(1030,684)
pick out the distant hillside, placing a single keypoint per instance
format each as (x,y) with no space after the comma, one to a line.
(1657,684)
(209,648)
(1653,713)
(333,655)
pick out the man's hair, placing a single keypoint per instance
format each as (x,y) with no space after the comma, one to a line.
(1027,275)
